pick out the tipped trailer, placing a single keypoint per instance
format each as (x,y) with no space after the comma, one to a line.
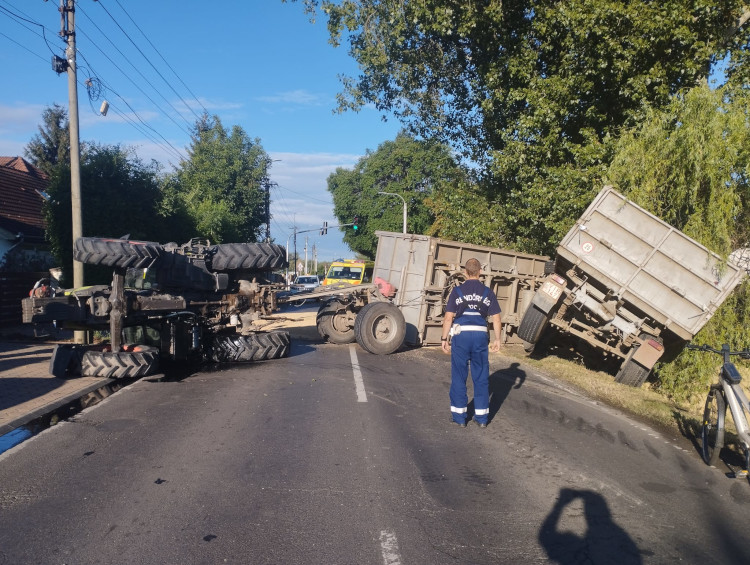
(631,285)
(412,278)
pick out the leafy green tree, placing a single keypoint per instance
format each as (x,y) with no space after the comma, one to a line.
(410,168)
(534,92)
(689,164)
(51,146)
(220,186)
(119,196)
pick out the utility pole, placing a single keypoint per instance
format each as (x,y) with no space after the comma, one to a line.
(267,204)
(67,32)
(306,255)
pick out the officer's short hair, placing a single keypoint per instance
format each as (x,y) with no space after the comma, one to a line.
(473,267)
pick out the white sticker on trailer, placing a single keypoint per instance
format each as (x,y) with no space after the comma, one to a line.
(552,290)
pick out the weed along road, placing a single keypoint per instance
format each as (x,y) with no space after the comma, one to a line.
(336,456)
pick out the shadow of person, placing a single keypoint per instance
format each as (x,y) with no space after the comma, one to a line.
(501,383)
(586,534)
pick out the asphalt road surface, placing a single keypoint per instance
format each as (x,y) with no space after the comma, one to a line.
(336,456)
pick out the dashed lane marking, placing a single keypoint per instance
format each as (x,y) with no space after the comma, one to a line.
(389,548)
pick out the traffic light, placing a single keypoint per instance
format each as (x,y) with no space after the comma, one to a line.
(355,223)
(324,229)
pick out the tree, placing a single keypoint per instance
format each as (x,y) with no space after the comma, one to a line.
(689,164)
(120,195)
(220,186)
(51,146)
(410,168)
(535,92)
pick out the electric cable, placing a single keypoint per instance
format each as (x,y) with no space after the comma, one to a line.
(146,57)
(83,32)
(15,15)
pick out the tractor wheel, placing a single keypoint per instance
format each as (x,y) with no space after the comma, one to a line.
(241,256)
(116,252)
(138,361)
(246,348)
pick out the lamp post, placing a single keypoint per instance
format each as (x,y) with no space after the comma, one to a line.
(402,200)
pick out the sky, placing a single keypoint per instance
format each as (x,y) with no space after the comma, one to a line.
(258,64)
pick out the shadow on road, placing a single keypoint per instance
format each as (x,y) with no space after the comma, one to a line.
(501,383)
(600,540)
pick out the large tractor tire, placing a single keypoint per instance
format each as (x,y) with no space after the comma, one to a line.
(380,328)
(247,348)
(334,324)
(116,252)
(133,361)
(242,256)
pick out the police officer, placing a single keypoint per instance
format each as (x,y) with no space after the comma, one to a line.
(465,319)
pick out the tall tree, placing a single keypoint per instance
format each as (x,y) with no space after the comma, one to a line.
(412,169)
(534,92)
(220,186)
(120,195)
(51,146)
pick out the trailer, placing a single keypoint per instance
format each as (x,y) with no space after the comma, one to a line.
(412,279)
(630,285)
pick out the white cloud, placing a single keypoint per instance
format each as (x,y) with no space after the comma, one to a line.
(295,97)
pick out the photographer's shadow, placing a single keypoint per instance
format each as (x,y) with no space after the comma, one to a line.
(602,542)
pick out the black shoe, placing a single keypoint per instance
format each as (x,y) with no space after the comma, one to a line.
(480,424)
(459,424)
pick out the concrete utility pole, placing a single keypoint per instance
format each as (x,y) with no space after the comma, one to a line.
(67,17)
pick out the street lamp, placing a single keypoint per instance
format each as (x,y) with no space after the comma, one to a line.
(402,200)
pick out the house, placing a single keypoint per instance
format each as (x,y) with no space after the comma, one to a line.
(23,246)
(24,251)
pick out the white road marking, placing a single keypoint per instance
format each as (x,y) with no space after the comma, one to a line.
(359,384)
(389,548)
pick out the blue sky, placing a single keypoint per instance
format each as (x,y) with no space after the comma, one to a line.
(259,64)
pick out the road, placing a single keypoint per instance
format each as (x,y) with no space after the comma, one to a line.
(335,456)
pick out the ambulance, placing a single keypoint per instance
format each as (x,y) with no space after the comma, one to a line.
(351,271)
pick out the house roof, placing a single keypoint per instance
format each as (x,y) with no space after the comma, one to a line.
(21,200)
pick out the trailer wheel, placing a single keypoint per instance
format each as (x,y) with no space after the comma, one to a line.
(247,348)
(532,324)
(116,252)
(140,361)
(380,328)
(236,256)
(334,324)
(631,372)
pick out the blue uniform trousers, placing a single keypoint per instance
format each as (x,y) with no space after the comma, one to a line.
(470,347)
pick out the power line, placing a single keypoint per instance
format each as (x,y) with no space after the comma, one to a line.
(162,58)
(137,70)
(23,46)
(26,18)
(146,57)
(173,149)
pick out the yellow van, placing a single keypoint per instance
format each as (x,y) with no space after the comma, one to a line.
(352,271)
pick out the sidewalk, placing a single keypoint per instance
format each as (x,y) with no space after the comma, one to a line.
(27,390)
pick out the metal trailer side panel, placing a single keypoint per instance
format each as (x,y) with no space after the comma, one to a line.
(670,277)
(404,261)
(425,269)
